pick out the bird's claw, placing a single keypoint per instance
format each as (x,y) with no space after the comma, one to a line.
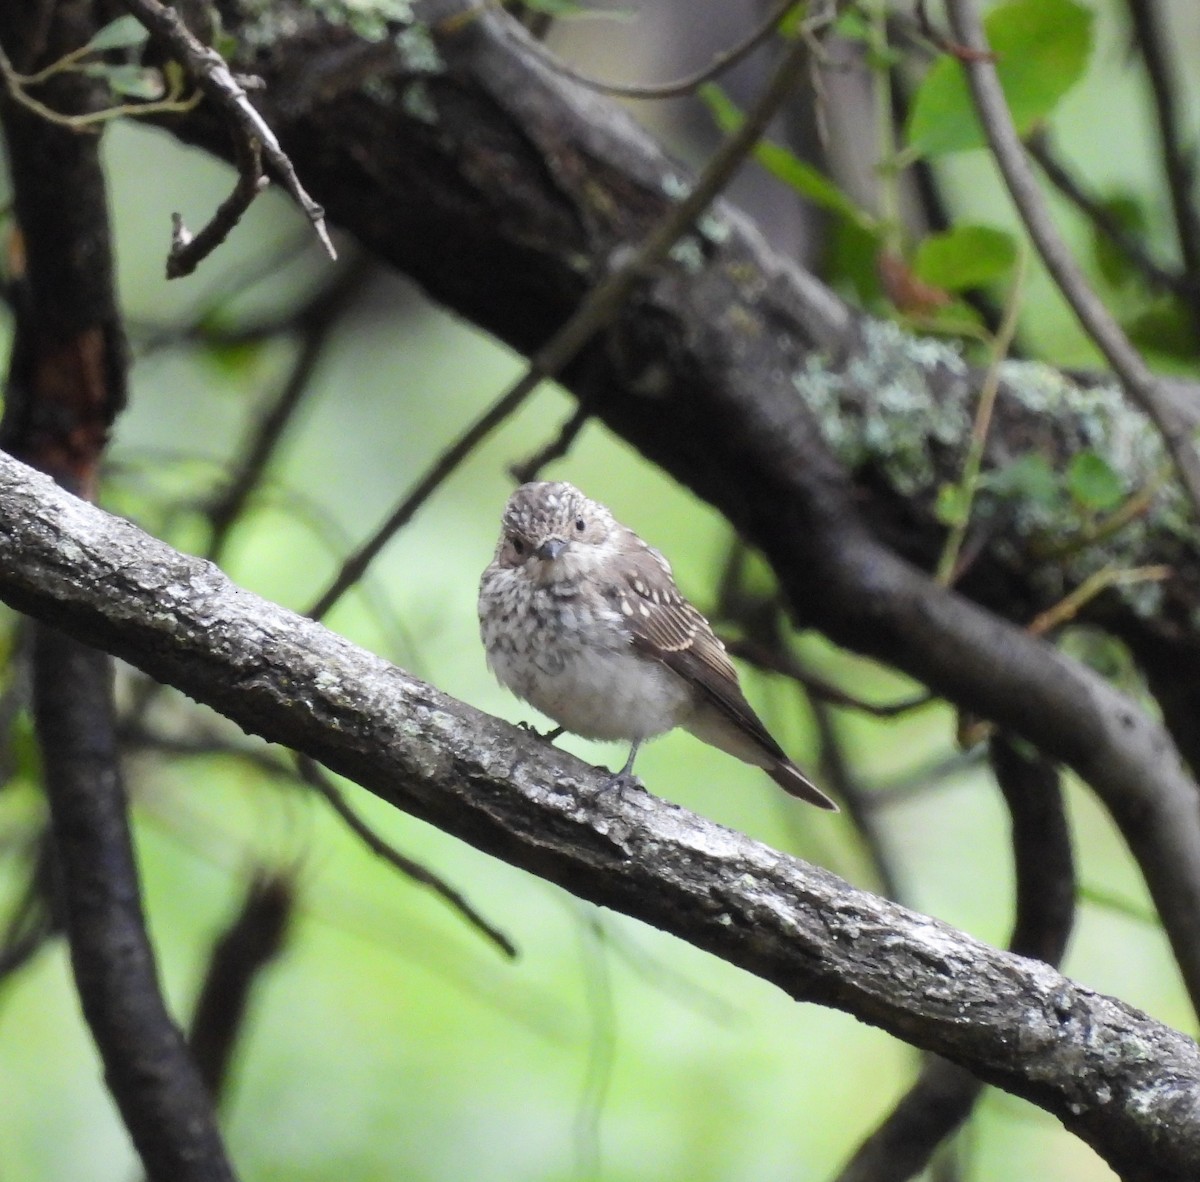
(619,782)
(548,737)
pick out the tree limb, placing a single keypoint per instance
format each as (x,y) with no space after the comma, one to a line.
(1123,1082)
(489,178)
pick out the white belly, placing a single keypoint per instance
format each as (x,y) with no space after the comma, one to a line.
(600,695)
(599,688)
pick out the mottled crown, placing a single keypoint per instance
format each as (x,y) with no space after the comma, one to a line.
(546,508)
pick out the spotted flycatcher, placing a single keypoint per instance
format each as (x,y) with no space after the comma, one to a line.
(582,619)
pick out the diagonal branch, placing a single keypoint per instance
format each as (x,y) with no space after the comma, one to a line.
(253,133)
(725,369)
(1140,384)
(1126,1084)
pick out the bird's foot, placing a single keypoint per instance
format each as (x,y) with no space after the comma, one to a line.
(619,783)
(549,736)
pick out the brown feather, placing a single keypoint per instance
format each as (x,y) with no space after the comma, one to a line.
(668,628)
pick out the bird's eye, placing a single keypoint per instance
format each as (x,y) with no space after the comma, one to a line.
(580,525)
(517,545)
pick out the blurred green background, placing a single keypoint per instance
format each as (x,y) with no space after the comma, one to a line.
(390,1041)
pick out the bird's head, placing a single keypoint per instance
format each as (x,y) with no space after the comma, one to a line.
(553,533)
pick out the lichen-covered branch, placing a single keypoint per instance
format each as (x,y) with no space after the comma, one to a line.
(1126,1084)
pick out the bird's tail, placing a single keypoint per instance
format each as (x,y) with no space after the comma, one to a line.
(794,782)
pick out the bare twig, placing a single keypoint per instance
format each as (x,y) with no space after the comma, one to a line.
(188,250)
(840,777)
(558,447)
(1105,222)
(314,775)
(721,62)
(16,83)
(1140,384)
(595,313)
(219,84)
(314,323)
(948,563)
(775,659)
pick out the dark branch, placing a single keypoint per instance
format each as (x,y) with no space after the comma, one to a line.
(251,942)
(147,1065)
(253,136)
(407,866)
(1123,1082)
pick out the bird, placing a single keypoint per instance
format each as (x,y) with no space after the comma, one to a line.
(583,620)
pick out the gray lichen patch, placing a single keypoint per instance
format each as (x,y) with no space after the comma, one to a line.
(266,22)
(903,407)
(882,408)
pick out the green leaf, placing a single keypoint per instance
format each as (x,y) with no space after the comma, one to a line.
(952,504)
(1113,263)
(1093,483)
(234,360)
(851,262)
(852,25)
(1165,327)
(1042,49)
(136,82)
(1111,901)
(126,32)
(1027,478)
(965,257)
(786,166)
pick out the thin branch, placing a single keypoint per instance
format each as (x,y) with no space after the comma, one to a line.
(528,468)
(1125,1083)
(315,323)
(597,310)
(1103,219)
(838,775)
(775,659)
(312,775)
(721,62)
(949,567)
(253,134)
(1140,384)
(251,942)
(188,250)
(1146,17)
(15,84)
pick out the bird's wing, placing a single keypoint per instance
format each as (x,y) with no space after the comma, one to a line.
(669,629)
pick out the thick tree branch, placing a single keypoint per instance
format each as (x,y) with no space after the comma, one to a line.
(489,178)
(65,385)
(1126,1084)
(945,1093)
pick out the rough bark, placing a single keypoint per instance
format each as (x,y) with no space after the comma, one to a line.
(1125,1083)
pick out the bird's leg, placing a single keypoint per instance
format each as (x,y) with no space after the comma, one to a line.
(625,777)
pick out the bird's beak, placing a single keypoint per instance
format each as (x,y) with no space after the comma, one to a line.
(550,549)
